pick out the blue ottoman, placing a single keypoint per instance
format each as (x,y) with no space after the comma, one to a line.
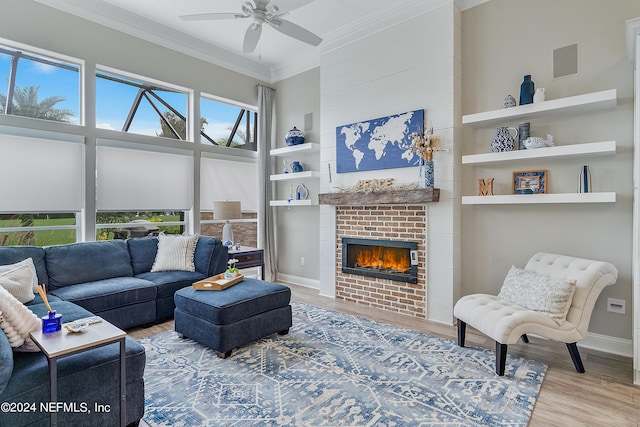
(230,318)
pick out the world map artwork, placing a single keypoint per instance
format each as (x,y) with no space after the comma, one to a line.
(379,143)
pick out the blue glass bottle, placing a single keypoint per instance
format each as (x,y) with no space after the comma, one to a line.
(527,89)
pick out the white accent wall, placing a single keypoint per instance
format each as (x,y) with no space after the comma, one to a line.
(415,65)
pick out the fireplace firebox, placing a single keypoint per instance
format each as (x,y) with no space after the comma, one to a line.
(384,259)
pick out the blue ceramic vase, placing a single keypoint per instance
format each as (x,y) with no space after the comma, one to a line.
(294,137)
(527,90)
(428,174)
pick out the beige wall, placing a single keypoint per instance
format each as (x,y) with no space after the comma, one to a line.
(298,227)
(502,40)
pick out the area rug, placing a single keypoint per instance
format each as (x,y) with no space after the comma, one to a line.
(335,369)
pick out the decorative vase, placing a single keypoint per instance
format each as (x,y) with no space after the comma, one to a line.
(509,101)
(539,96)
(527,89)
(294,137)
(427,174)
(584,180)
(296,167)
(504,141)
(523,133)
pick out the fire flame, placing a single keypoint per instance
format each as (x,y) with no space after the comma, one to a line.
(383,258)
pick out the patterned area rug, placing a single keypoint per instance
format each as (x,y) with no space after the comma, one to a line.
(335,369)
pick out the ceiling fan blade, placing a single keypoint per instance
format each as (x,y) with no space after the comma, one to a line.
(278,7)
(296,31)
(251,38)
(211,16)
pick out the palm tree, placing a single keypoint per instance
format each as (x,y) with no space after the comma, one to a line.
(26,104)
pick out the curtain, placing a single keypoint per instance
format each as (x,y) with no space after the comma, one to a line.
(266,213)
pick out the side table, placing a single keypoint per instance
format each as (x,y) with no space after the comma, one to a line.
(64,343)
(248,257)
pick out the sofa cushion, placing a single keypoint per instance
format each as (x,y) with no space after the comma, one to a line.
(87,262)
(545,294)
(175,253)
(169,282)
(13,254)
(108,294)
(211,256)
(6,361)
(142,252)
(19,279)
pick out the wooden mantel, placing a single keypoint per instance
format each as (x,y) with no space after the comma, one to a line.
(404,197)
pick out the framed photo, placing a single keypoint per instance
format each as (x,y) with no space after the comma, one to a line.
(528,182)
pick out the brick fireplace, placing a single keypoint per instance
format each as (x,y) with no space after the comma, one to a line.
(402,223)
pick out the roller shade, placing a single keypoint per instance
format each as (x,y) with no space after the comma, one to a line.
(228,180)
(40,175)
(134,180)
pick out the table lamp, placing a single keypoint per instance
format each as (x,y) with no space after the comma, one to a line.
(227,210)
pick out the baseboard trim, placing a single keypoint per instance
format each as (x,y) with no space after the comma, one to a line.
(298,280)
(607,344)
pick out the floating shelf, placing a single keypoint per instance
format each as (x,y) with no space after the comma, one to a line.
(295,149)
(307,202)
(294,175)
(607,197)
(589,102)
(583,150)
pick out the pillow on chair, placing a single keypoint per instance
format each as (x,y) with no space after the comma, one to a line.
(544,294)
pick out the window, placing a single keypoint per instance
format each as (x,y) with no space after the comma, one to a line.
(38,229)
(122,225)
(141,107)
(227,125)
(39,86)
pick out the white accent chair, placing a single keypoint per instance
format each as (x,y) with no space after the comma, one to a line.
(506,322)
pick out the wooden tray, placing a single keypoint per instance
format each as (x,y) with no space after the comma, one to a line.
(216,283)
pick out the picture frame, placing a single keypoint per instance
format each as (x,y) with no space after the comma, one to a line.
(529,182)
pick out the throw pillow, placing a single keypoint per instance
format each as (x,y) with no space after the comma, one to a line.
(545,294)
(20,279)
(175,253)
(17,321)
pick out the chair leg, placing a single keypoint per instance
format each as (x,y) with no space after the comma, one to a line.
(462,329)
(575,356)
(501,358)
(525,338)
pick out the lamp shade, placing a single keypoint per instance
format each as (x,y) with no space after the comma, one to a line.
(226,210)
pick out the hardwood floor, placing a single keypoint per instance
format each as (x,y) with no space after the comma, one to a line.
(603,396)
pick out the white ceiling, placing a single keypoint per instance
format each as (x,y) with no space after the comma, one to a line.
(277,56)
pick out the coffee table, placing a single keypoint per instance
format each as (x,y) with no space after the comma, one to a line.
(64,343)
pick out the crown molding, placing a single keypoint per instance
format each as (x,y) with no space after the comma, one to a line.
(110,16)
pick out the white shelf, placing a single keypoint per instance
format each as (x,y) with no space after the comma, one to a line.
(608,197)
(589,102)
(583,150)
(295,175)
(295,149)
(307,202)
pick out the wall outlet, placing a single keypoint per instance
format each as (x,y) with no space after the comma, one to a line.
(301,260)
(616,305)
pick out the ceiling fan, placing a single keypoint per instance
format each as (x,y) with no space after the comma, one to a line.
(261,11)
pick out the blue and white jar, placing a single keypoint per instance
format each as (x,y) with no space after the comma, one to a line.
(294,137)
(427,174)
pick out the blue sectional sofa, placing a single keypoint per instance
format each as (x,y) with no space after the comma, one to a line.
(111,279)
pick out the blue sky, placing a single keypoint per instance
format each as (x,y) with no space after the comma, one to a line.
(113,99)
